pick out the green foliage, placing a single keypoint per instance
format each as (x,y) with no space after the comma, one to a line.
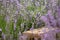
(11,27)
(2,22)
(31,8)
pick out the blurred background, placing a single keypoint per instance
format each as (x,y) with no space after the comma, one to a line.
(17,16)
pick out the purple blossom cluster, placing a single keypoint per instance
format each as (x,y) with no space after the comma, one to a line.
(50,20)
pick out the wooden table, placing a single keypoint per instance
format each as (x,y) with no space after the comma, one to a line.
(36,33)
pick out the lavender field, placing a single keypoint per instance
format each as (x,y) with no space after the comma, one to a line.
(18,16)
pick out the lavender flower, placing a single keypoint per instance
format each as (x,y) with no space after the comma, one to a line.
(51,18)
(45,20)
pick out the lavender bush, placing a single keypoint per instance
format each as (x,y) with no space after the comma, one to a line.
(17,16)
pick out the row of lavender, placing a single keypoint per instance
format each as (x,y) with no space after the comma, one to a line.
(17,16)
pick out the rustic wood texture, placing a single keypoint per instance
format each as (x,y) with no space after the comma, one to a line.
(41,33)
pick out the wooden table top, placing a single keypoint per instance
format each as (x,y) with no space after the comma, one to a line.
(37,32)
